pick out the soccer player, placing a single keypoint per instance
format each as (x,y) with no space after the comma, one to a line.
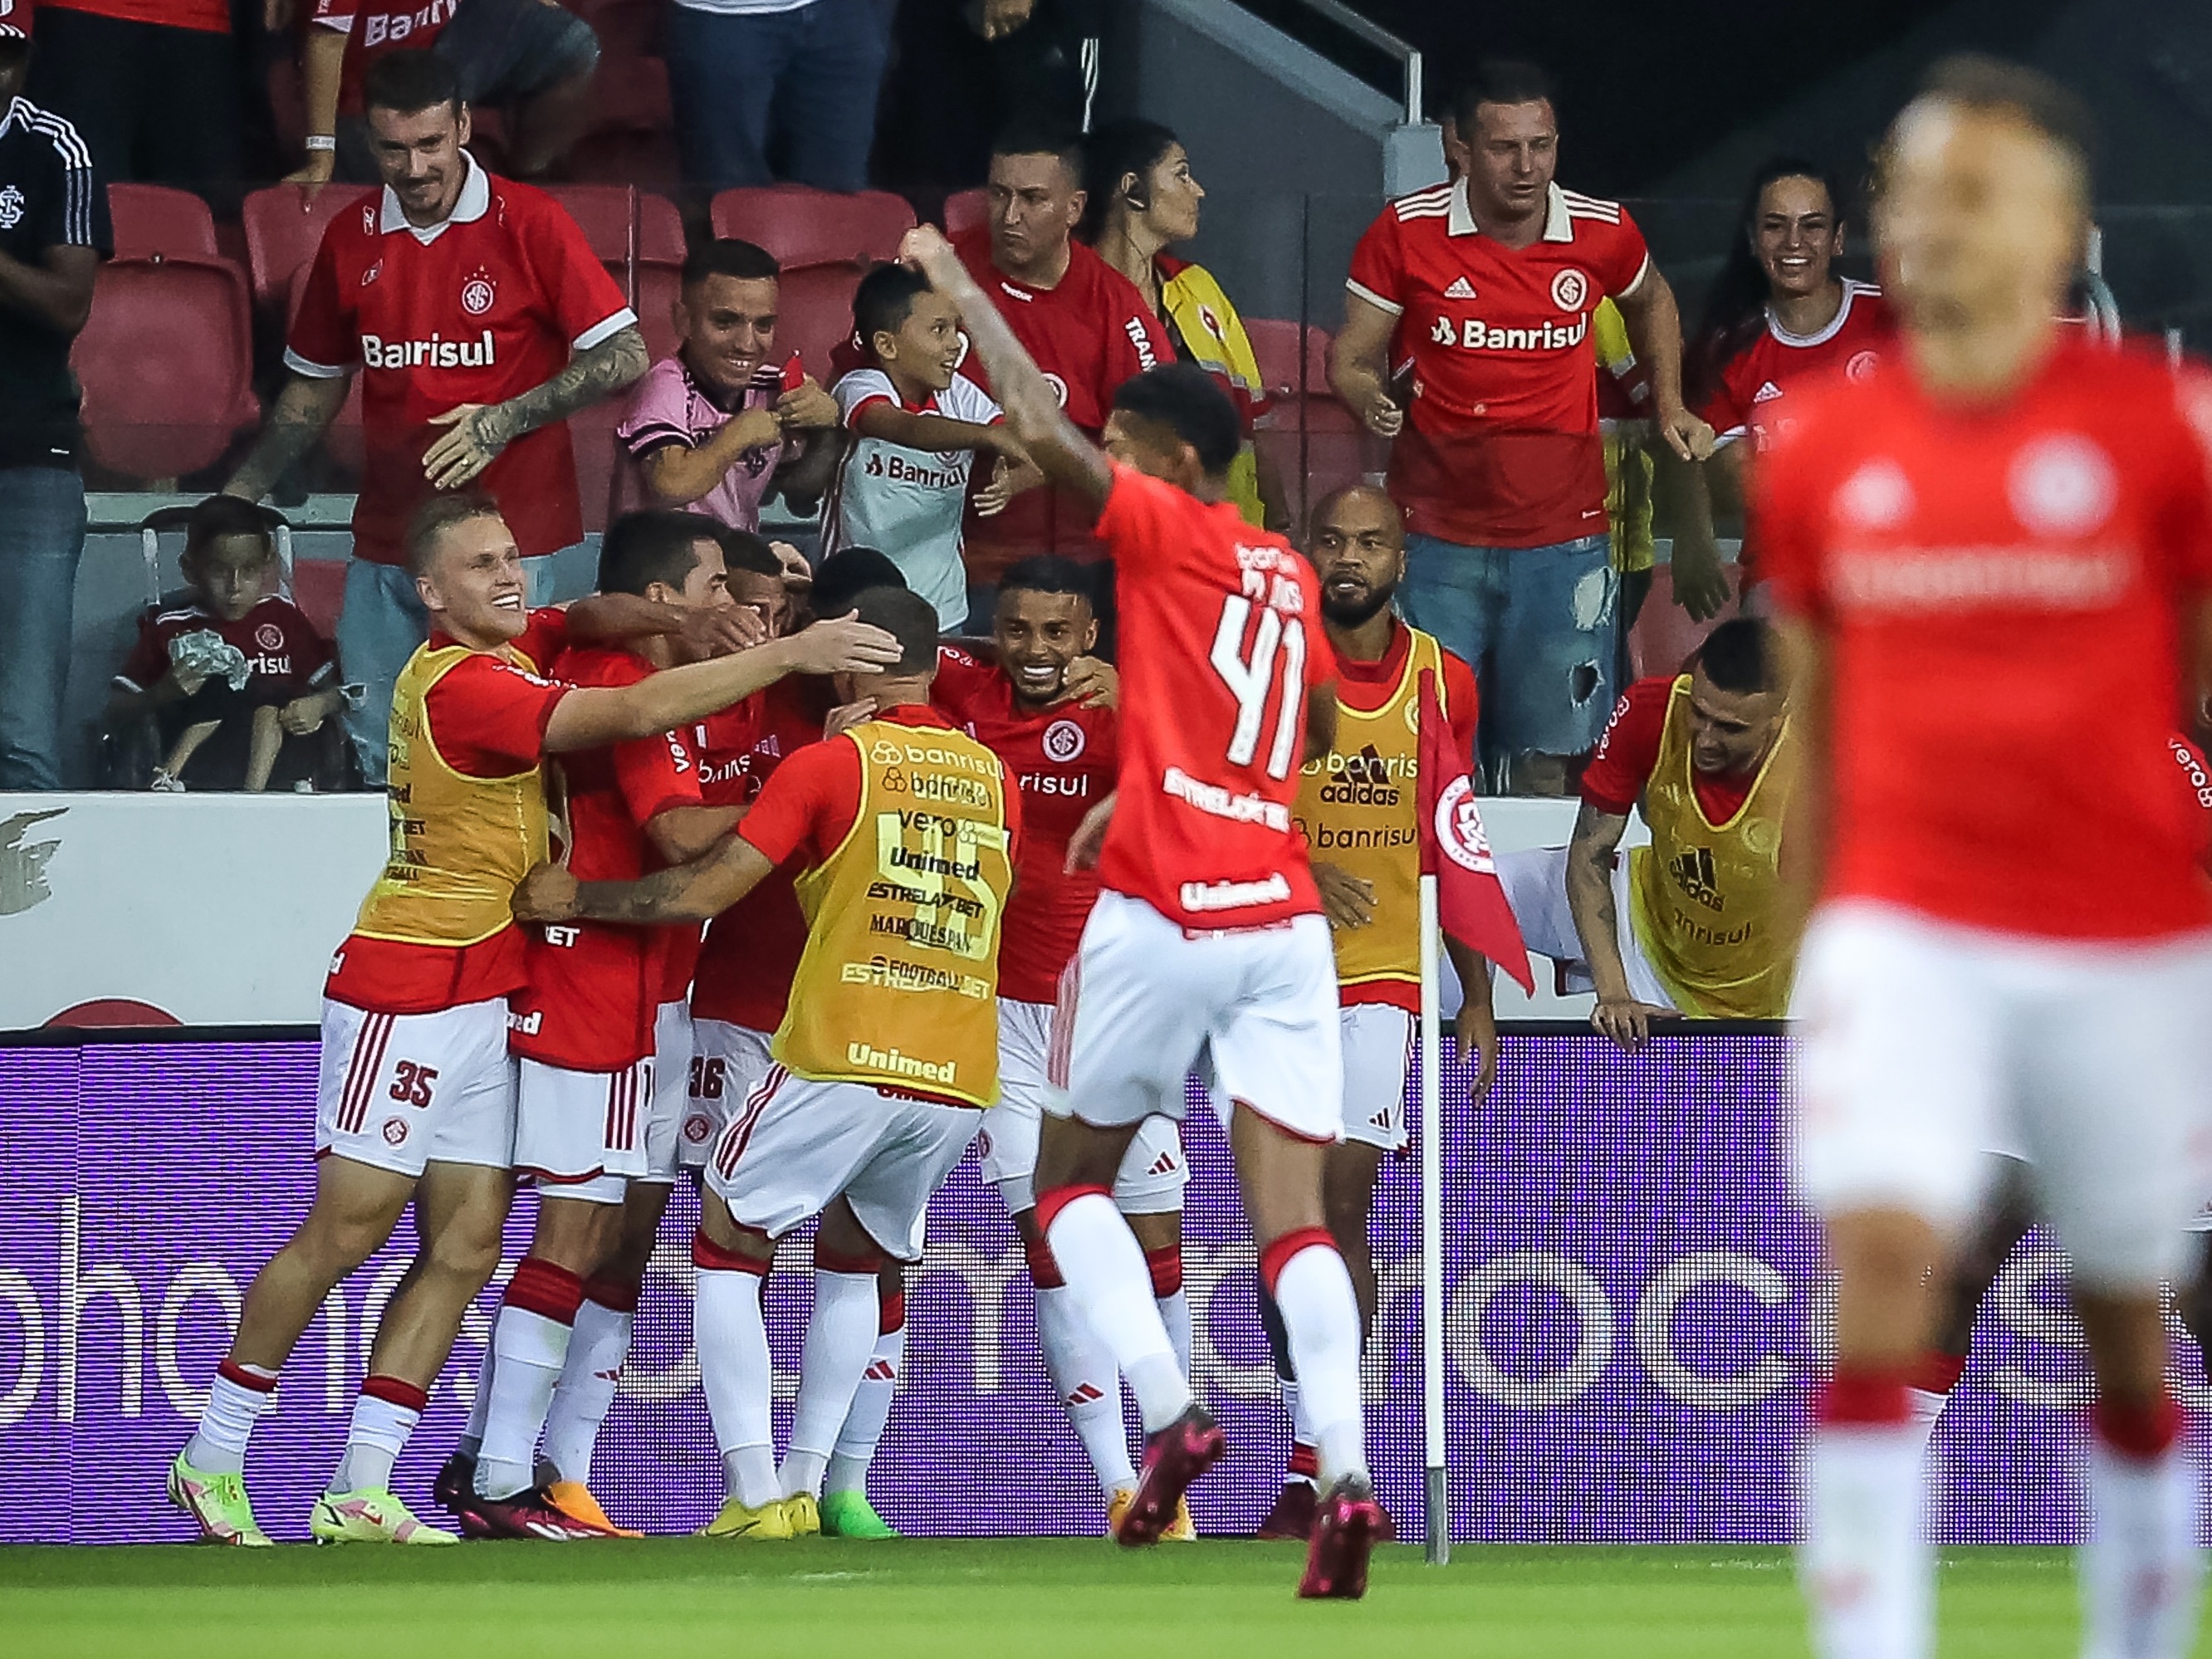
(416,1098)
(1065,753)
(1207,940)
(1990,558)
(1359,810)
(585,1032)
(906,831)
(1698,923)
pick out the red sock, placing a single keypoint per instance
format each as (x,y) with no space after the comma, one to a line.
(2142,1431)
(1864,1397)
(1939,1373)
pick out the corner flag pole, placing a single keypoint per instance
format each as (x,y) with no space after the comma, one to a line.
(1436,1498)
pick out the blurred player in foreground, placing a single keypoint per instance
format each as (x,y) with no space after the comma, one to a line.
(417,1099)
(1206,947)
(884,1059)
(1991,556)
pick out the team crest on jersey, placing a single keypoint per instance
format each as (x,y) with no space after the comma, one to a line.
(1211,322)
(1459,828)
(1063,741)
(477,294)
(1570,289)
(1878,496)
(269,637)
(1862,363)
(1059,388)
(2061,485)
(395,1131)
(11,208)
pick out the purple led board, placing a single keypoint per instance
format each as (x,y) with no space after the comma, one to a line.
(1629,1316)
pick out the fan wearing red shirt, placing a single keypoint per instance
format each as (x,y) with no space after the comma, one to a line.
(1991,557)
(481,320)
(1207,946)
(416,1097)
(1062,748)
(1498,466)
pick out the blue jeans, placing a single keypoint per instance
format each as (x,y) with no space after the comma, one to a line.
(41,538)
(380,627)
(1538,624)
(813,73)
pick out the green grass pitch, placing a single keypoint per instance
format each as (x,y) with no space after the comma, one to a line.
(914,1598)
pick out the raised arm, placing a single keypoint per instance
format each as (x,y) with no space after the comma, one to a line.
(1655,329)
(685,892)
(1359,365)
(1033,410)
(302,413)
(480,431)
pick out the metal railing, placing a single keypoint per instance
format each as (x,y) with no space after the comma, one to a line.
(1408,55)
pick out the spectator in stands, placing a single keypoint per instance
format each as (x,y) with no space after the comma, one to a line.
(482,320)
(1140,200)
(531,60)
(1083,322)
(1489,283)
(969,70)
(53,238)
(916,424)
(230,679)
(721,425)
(799,77)
(151,86)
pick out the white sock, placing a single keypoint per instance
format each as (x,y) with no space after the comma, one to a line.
(471,1441)
(840,1338)
(1866,1564)
(531,1348)
(1301,1428)
(2141,1570)
(588,1380)
(872,1412)
(377,1435)
(1099,1258)
(1083,1373)
(235,1405)
(734,1367)
(1927,1406)
(1314,1290)
(1174,1314)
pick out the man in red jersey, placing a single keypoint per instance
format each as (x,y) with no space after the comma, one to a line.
(1489,282)
(482,321)
(1081,321)
(1206,943)
(1990,558)
(416,1098)
(1064,752)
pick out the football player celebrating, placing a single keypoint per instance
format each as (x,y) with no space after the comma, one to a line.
(1990,557)
(1208,943)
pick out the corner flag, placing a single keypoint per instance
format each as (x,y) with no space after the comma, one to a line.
(1470,901)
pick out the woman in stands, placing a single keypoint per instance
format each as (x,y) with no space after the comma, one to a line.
(1143,201)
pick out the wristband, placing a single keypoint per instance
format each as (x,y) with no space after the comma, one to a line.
(321,143)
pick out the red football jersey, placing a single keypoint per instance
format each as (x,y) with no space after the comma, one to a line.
(2002,588)
(1628,752)
(1063,759)
(1220,639)
(1753,382)
(490,304)
(751,950)
(594,987)
(283,653)
(373,28)
(1501,445)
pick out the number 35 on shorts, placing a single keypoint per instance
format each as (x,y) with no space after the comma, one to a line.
(411,1082)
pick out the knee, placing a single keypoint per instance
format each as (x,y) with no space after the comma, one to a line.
(843,1246)
(464,1253)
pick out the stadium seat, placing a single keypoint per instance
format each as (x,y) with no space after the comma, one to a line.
(154,222)
(284,227)
(964,210)
(619,223)
(1278,342)
(1664,637)
(592,434)
(1311,435)
(802,227)
(814,315)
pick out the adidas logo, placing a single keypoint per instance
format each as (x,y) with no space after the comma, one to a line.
(1461,289)
(880,1370)
(1164,1164)
(1083,1392)
(1767,394)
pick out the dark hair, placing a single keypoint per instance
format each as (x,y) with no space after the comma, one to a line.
(1030,136)
(1735,304)
(1500,81)
(654,545)
(848,573)
(882,302)
(726,256)
(1980,81)
(1738,656)
(743,550)
(439,514)
(1110,153)
(219,516)
(907,618)
(1048,573)
(408,82)
(1184,398)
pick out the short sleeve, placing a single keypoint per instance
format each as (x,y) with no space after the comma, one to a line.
(323,342)
(1134,339)
(961,681)
(1626,257)
(312,657)
(861,389)
(963,400)
(148,661)
(1725,409)
(657,774)
(809,791)
(659,411)
(1138,521)
(1378,265)
(586,303)
(1782,521)
(1011,800)
(1613,780)
(487,708)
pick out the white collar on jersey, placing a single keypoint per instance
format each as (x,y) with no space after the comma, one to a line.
(1852,289)
(474,202)
(1558,225)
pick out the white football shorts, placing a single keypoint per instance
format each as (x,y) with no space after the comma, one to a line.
(396,1091)
(671,1091)
(727,1064)
(1154,1173)
(581,1134)
(1379,1055)
(1535,883)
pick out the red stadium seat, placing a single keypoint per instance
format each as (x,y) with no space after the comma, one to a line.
(1278,343)
(964,210)
(592,434)
(319,589)
(625,226)
(284,227)
(1664,637)
(1311,435)
(802,227)
(814,310)
(154,222)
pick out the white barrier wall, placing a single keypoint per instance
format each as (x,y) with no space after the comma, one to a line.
(224,909)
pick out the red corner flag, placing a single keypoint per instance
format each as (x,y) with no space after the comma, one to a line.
(1470,902)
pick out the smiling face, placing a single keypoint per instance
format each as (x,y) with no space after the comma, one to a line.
(926,346)
(472,585)
(418,154)
(1038,635)
(1797,236)
(728,329)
